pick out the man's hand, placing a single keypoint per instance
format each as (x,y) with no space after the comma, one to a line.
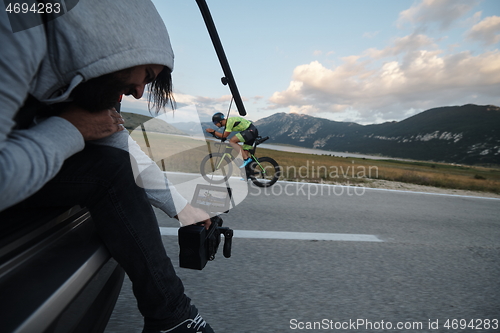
(211,131)
(94,125)
(191,215)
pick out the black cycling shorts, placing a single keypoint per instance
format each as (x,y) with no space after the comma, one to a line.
(249,135)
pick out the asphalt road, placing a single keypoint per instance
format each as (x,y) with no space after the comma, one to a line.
(437,258)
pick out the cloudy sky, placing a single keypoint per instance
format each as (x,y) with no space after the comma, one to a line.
(366,61)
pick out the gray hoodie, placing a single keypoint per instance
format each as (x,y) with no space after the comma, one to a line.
(94,38)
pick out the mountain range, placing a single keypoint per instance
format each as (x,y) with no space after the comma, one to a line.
(468,134)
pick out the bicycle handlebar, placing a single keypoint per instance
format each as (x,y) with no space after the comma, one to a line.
(261,140)
(221,138)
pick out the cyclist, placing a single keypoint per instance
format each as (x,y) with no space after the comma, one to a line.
(247,133)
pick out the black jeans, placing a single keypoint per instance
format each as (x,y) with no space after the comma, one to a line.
(101,179)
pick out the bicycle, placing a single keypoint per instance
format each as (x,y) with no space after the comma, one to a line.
(216,168)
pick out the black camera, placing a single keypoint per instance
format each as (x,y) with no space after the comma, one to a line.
(198,245)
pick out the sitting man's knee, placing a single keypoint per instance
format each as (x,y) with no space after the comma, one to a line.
(109,161)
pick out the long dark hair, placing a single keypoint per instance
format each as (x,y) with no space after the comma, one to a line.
(160,94)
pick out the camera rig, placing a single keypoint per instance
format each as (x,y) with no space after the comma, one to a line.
(199,245)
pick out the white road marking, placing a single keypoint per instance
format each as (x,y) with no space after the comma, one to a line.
(260,234)
(411,192)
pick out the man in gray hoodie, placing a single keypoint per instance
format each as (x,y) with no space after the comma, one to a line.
(121,45)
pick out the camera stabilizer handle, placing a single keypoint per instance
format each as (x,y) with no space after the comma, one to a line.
(214,235)
(198,245)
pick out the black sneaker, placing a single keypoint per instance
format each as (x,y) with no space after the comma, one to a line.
(194,324)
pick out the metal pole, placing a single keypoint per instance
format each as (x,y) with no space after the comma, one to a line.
(229,79)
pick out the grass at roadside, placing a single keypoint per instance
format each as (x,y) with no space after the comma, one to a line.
(341,170)
(184,154)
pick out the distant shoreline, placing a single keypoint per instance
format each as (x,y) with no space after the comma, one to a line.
(297,149)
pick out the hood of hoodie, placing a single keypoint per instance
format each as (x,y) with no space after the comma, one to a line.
(97,38)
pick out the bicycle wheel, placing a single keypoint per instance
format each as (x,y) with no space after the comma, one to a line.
(216,168)
(265,173)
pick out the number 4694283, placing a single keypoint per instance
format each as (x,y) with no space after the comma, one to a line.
(475,324)
(36,8)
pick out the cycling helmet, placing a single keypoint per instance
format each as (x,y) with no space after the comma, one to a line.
(217,117)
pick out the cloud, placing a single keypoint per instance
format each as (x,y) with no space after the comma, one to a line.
(431,12)
(403,44)
(206,106)
(487,31)
(371,34)
(257,99)
(211,100)
(413,73)
(375,91)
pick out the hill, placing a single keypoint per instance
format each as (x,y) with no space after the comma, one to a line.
(467,134)
(133,120)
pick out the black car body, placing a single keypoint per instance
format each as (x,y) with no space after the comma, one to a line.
(56,275)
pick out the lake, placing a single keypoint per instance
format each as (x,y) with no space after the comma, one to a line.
(293,149)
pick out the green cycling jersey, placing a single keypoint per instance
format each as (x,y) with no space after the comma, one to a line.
(237,124)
